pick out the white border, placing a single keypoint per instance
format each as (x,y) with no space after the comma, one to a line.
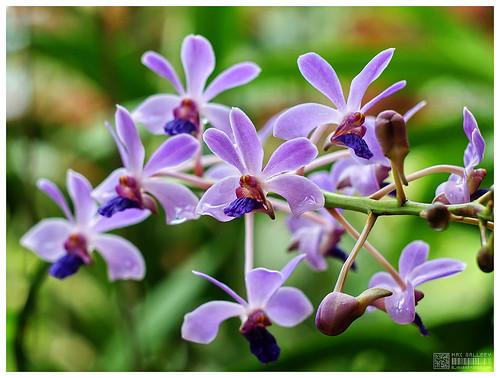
(219,3)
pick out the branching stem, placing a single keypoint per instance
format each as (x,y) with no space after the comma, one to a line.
(370,221)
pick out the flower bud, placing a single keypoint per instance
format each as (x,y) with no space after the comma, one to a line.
(337,310)
(438,216)
(390,128)
(485,259)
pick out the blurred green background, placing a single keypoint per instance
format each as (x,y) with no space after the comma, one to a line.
(67,67)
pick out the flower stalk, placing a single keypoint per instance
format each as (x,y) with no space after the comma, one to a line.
(249,231)
(370,222)
(369,247)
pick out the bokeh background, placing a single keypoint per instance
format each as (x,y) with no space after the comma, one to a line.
(68,66)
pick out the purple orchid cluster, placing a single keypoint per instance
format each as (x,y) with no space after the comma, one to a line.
(234,182)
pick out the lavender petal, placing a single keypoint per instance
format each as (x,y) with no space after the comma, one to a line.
(413,255)
(288,307)
(218,116)
(434,269)
(171,153)
(124,260)
(290,156)
(383,280)
(300,120)
(127,132)
(221,286)
(357,144)
(301,194)
(178,202)
(396,87)
(290,267)
(202,324)
(401,305)
(234,76)
(46,239)
(261,284)
(120,220)
(320,74)
(220,144)
(247,141)
(162,67)
(156,111)
(51,189)
(80,192)
(198,59)
(474,152)
(218,197)
(309,243)
(368,75)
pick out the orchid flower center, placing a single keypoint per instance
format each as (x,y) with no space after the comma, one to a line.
(186,119)
(262,343)
(130,196)
(350,133)
(249,197)
(76,255)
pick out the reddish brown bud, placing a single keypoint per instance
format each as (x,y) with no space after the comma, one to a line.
(390,128)
(438,216)
(337,310)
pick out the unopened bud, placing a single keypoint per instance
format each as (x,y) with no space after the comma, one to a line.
(337,310)
(438,216)
(485,259)
(390,128)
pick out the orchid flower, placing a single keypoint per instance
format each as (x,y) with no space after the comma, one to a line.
(415,270)
(459,189)
(185,112)
(349,115)
(268,302)
(135,185)
(247,191)
(358,175)
(350,177)
(316,240)
(68,242)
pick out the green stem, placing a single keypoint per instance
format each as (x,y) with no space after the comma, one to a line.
(471,212)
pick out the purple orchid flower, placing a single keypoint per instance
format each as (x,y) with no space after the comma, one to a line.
(68,243)
(300,120)
(458,189)
(317,240)
(415,270)
(268,302)
(247,191)
(135,185)
(186,111)
(349,176)
(358,175)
